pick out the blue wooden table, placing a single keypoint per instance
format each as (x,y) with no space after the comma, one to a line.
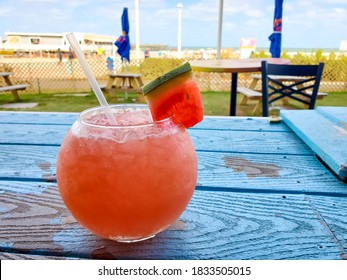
(262,193)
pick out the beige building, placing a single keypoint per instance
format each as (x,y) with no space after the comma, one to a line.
(28,42)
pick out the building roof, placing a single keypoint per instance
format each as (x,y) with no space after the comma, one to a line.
(32,34)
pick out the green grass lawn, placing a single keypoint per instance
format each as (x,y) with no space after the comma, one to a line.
(61,102)
(215,103)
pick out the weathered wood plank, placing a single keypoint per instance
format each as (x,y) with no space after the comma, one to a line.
(333,215)
(240,123)
(32,134)
(325,134)
(249,142)
(252,123)
(216,225)
(24,187)
(276,142)
(337,115)
(37,118)
(246,172)
(28,162)
(252,172)
(14,256)
(250,93)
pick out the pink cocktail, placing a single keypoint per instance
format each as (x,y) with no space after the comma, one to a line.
(128,181)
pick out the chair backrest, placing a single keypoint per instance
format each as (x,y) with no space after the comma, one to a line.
(301,83)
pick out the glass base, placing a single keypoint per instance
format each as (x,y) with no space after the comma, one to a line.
(126,239)
(133,239)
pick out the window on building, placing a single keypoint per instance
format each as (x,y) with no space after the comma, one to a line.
(35,41)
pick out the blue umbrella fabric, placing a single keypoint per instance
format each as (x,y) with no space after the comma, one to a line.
(276,36)
(123,42)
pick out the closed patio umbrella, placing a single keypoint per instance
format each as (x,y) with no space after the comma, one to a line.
(123,42)
(276,36)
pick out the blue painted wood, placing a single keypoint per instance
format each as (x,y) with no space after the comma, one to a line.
(334,216)
(32,134)
(16,256)
(216,225)
(261,194)
(240,123)
(213,123)
(242,172)
(37,118)
(337,115)
(277,142)
(324,132)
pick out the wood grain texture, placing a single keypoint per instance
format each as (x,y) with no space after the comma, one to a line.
(248,142)
(333,215)
(33,134)
(234,171)
(240,123)
(37,118)
(207,140)
(14,256)
(246,172)
(216,225)
(266,172)
(25,162)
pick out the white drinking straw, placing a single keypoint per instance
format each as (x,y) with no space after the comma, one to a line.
(91,78)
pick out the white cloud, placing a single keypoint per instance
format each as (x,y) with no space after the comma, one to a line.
(6,11)
(75,3)
(340,11)
(40,1)
(254,13)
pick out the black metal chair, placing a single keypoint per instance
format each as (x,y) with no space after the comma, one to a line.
(302,83)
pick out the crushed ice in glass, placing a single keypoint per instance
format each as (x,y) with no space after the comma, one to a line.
(131,124)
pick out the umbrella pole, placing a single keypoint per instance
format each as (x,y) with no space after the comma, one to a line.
(220,22)
(113,49)
(137,28)
(125,67)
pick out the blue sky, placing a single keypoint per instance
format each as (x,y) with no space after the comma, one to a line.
(306,23)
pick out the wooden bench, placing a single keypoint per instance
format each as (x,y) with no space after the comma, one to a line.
(320,95)
(250,94)
(11,87)
(14,87)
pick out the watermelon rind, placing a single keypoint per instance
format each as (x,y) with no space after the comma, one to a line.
(166,77)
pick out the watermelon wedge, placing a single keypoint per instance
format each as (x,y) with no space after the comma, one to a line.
(175,93)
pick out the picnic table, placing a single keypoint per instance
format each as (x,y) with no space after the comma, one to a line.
(233,66)
(124,82)
(10,86)
(262,193)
